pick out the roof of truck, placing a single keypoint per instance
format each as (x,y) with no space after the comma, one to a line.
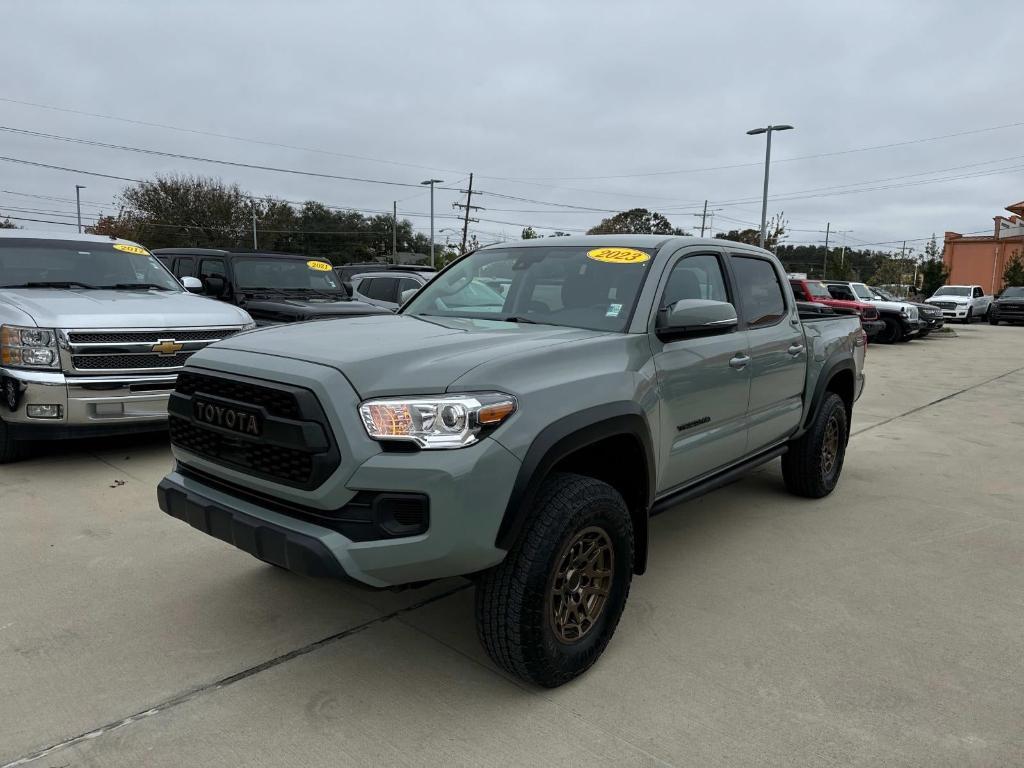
(621,241)
(35,234)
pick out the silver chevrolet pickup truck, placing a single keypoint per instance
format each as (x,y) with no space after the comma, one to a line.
(93,331)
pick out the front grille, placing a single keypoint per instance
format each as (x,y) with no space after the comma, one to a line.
(945,304)
(869,313)
(282,463)
(296,447)
(277,402)
(147,337)
(127,362)
(1010,309)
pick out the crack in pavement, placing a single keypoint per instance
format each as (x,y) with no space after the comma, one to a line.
(928,405)
(194,693)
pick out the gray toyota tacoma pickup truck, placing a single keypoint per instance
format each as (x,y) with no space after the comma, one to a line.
(522,438)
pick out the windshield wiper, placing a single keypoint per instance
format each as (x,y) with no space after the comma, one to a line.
(131,286)
(318,292)
(520,319)
(52,284)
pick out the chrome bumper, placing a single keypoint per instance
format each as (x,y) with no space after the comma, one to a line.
(85,401)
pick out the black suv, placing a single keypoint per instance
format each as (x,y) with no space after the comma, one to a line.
(1009,307)
(272,287)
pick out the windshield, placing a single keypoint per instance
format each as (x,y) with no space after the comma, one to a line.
(862,291)
(76,264)
(817,290)
(285,274)
(953,290)
(885,295)
(1013,293)
(577,286)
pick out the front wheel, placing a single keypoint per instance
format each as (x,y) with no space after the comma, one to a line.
(812,465)
(547,612)
(891,333)
(992,319)
(970,316)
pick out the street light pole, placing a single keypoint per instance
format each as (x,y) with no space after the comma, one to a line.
(767,162)
(431,183)
(78,204)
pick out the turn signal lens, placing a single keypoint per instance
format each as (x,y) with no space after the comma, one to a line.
(495,414)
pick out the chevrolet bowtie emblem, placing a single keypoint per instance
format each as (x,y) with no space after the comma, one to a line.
(167,347)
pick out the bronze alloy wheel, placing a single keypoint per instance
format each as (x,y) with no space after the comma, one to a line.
(830,446)
(579,587)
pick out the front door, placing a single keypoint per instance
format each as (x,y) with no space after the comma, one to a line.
(703,382)
(778,353)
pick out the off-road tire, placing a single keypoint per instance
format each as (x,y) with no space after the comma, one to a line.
(514,609)
(10,449)
(992,319)
(891,333)
(805,466)
(970,316)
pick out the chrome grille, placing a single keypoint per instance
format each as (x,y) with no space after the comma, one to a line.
(945,304)
(135,350)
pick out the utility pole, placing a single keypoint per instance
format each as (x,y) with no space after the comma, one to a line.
(824,263)
(467,206)
(255,246)
(431,182)
(703,218)
(394,231)
(899,276)
(78,204)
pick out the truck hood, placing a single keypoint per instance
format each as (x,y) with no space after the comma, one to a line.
(399,354)
(60,308)
(951,299)
(287,310)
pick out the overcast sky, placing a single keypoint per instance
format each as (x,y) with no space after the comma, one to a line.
(537,99)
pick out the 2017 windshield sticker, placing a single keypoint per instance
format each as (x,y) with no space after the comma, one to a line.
(618,255)
(319,266)
(137,250)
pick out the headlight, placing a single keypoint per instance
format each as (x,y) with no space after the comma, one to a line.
(28,347)
(251,325)
(444,421)
(905,311)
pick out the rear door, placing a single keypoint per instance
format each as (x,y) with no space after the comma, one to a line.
(777,350)
(703,382)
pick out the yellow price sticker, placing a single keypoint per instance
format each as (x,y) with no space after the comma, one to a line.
(618,255)
(319,266)
(136,249)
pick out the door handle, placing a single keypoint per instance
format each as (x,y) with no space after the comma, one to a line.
(739,361)
(795,349)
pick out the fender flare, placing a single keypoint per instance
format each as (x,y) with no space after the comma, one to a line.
(566,436)
(839,362)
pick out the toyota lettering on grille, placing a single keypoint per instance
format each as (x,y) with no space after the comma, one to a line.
(226,417)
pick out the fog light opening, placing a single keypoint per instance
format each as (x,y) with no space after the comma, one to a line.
(44,411)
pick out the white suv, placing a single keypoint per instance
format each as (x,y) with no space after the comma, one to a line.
(961,302)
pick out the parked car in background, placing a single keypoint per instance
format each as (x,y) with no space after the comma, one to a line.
(816,291)
(961,302)
(930,315)
(525,443)
(272,287)
(1009,307)
(93,332)
(348,271)
(385,289)
(901,318)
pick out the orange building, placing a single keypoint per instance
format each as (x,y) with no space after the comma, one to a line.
(982,260)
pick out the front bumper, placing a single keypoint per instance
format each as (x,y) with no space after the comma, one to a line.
(468,490)
(872,327)
(960,313)
(88,404)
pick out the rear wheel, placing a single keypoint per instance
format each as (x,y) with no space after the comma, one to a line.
(812,465)
(547,612)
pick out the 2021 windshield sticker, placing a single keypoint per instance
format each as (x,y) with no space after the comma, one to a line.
(618,255)
(319,266)
(137,250)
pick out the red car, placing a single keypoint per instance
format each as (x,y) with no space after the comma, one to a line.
(815,291)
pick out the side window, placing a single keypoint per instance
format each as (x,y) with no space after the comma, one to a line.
(978,293)
(406,284)
(798,290)
(380,288)
(760,294)
(841,292)
(185,266)
(363,285)
(214,276)
(695,277)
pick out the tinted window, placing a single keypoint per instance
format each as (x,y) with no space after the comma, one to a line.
(406,284)
(695,277)
(380,288)
(841,292)
(212,268)
(977,293)
(760,295)
(29,261)
(185,266)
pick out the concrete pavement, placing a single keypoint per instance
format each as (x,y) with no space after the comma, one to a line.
(880,626)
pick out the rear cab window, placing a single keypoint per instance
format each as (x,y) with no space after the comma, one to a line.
(761,299)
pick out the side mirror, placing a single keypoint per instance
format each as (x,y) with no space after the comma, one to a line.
(696,317)
(192,284)
(213,286)
(407,294)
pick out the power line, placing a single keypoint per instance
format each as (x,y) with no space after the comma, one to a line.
(213,134)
